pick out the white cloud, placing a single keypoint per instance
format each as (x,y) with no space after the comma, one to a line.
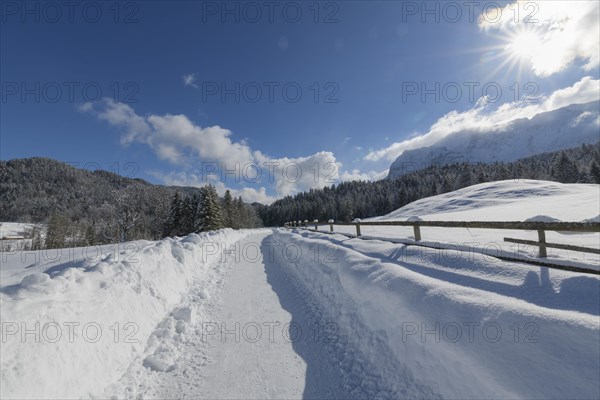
(294,175)
(249,195)
(567,30)
(173,137)
(356,175)
(190,80)
(482,118)
(176,139)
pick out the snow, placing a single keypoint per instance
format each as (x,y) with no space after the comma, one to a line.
(15,229)
(88,318)
(298,314)
(510,200)
(430,326)
(549,131)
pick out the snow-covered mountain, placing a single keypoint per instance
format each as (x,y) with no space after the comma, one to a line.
(549,131)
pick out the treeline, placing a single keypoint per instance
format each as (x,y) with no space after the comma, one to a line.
(206,212)
(359,199)
(199,212)
(81,207)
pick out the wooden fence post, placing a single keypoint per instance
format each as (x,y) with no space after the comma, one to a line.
(542,240)
(330,225)
(306,223)
(357,222)
(316,221)
(417,232)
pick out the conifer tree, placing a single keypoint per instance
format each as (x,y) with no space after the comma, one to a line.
(174,217)
(347,211)
(594,174)
(564,169)
(56,235)
(228,209)
(210,211)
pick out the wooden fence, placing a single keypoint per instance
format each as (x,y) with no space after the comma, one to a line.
(540,227)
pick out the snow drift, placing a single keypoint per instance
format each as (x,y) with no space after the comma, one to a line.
(73,325)
(467,329)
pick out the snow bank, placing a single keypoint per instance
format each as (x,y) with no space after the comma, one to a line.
(466,329)
(72,326)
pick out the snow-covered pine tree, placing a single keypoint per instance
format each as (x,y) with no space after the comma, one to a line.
(228,209)
(199,216)
(174,217)
(594,174)
(188,217)
(564,169)
(56,235)
(90,235)
(347,213)
(210,211)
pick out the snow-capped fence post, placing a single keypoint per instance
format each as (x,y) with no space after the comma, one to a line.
(357,222)
(306,224)
(330,225)
(316,221)
(542,240)
(417,232)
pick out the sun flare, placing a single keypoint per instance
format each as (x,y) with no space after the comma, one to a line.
(524,45)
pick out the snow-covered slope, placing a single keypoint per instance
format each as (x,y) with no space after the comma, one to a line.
(555,130)
(509,200)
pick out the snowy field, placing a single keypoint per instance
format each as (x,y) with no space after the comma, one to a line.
(509,200)
(12,229)
(276,313)
(15,229)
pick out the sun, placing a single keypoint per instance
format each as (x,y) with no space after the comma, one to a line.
(518,52)
(524,45)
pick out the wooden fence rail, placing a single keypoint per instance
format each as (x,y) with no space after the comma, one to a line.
(540,227)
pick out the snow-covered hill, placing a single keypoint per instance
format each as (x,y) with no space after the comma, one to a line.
(555,130)
(509,200)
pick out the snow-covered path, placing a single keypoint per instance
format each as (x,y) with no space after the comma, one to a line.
(251,357)
(255,337)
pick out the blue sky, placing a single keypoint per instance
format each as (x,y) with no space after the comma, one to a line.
(161,68)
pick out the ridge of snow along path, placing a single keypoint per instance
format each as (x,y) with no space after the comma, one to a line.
(73,320)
